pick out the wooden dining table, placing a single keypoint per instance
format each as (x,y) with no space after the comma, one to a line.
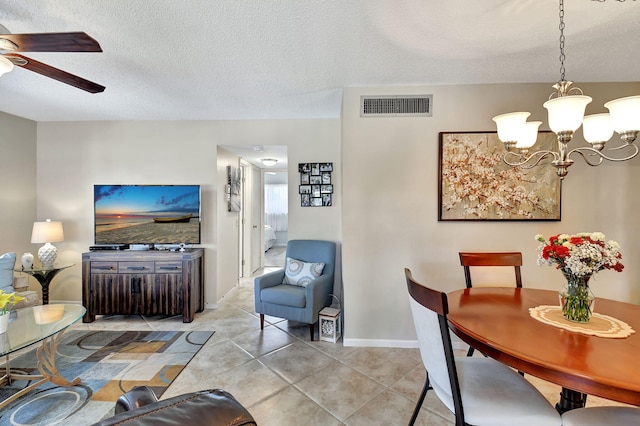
(496,322)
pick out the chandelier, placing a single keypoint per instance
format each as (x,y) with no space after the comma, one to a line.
(566,108)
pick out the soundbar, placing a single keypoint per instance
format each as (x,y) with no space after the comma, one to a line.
(109,247)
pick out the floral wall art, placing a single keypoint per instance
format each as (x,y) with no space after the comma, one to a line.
(475,184)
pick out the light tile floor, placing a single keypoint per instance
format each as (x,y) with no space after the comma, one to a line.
(283,378)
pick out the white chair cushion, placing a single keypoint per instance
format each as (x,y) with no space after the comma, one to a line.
(494,394)
(602,416)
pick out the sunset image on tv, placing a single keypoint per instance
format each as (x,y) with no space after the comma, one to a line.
(147,214)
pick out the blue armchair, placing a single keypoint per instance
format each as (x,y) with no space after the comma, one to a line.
(298,303)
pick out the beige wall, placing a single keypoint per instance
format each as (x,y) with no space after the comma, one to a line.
(73,156)
(17,185)
(390,190)
(228,228)
(384,216)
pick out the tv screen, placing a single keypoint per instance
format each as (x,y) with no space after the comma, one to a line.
(147,214)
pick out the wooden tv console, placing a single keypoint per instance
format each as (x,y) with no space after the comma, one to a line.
(143,283)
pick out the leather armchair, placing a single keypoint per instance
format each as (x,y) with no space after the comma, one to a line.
(140,407)
(302,304)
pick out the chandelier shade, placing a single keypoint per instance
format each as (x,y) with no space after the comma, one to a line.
(625,114)
(596,128)
(528,135)
(566,112)
(510,125)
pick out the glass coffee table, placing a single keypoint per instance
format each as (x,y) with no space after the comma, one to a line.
(43,324)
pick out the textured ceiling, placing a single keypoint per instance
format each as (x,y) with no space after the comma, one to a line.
(263,59)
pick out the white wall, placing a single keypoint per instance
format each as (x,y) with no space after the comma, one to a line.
(73,156)
(17,186)
(390,206)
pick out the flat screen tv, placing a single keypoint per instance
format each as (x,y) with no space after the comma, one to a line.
(147,214)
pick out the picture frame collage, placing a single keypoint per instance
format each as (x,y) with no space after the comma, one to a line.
(316,187)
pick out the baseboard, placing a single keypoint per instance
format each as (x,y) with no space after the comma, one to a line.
(70,302)
(381,343)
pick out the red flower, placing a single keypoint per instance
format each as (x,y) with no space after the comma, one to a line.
(576,240)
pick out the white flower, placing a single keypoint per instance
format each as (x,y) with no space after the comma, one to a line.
(597,236)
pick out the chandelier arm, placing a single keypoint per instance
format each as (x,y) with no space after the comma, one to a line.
(623,146)
(541,155)
(583,151)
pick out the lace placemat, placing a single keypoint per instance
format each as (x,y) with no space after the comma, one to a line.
(599,325)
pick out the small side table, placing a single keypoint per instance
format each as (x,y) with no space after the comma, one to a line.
(44,276)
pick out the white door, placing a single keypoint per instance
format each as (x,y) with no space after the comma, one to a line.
(257,219)
(251,237)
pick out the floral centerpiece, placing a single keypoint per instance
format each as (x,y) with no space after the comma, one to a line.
(6,301)
(579,256)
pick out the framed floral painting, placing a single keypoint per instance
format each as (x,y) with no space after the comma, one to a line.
(475,184)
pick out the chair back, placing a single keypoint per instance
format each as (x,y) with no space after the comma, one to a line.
(468,259)
(429,309)
(313,251)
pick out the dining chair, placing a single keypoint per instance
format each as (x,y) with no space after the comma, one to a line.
(474,259)
(597,416)
(479,391)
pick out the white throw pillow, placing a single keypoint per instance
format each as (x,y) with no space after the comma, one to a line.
(300,273)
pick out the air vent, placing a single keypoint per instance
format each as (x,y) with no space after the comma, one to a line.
(396,106)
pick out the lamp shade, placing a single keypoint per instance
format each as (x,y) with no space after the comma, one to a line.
(5,65)
(529,134)
(47,232)
(510,125)
(566,112)
(625,113)
(597,128)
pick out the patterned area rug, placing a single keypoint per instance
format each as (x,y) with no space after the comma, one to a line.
(108,364)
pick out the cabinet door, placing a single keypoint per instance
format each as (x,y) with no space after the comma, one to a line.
(110,294)
(162,294)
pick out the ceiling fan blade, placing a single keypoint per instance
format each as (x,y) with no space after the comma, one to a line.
(53,42)
(55,73)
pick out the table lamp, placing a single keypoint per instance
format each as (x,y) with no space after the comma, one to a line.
(47,232)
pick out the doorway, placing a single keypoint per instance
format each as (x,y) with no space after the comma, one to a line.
(276,217)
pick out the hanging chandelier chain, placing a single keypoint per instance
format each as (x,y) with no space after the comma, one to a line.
(561,26)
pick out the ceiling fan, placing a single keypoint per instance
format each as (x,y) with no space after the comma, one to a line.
(47,42)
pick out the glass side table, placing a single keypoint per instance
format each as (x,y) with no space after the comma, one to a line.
(44,276)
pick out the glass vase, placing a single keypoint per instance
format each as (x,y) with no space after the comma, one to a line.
(576,299)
